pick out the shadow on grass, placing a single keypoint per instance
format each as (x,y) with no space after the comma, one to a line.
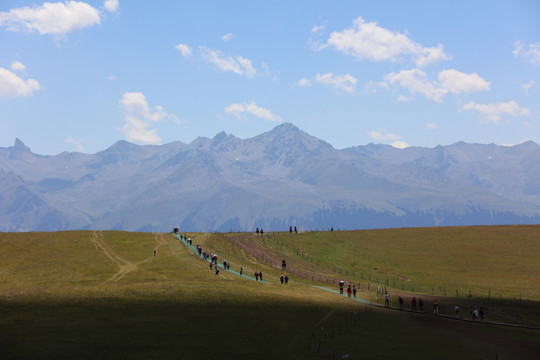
(120,328)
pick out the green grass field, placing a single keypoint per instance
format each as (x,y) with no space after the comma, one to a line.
(94,294)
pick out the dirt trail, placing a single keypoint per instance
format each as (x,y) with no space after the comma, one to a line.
(125,266)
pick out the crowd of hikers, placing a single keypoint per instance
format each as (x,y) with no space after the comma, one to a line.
(213,259)
(475,311)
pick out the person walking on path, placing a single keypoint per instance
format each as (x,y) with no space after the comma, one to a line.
(413,304)
(354,290)
(435,307)
(400,301)
(154,252)
(282,279)
(241,270)
(256,275)
(217,270)
(387,300)
(349,290)
(260,275)
(286,279)
(341,283)
(456,309)
(421,304)
(481,311)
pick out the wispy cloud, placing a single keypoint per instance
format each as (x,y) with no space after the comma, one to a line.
(237,64)
(494,112)
(12,85)
(367,40)
(527,85)
(530,53)
(17,66)
(185,50)
(304,82)
(79,144)
(346,82)
(139,117)
(111,5)
(239,110)
(431,126)
(58,18)
(227,37)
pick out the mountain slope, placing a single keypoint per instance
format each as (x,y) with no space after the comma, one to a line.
(280,178)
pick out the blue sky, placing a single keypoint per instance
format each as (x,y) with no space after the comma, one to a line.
(79,76)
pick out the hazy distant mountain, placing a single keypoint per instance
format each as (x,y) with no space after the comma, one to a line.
(280,178)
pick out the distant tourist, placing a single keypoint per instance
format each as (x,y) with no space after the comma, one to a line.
(456,309)
(354,290)
(387,300)
(260,275)
(341,283)
(241,271)
(481,314)
(349,290)
(286,279)
(435,307)
(257,275)
(421,304)
(154,252)
(400,301)
(257,231)
(295,231)
(413,304)
(282,279)
(217,270)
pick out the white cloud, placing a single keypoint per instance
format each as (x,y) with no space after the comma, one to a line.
(185,50)
(416,81)
(432,126)
(370,41)
(450,81)
(400,144)
(457,82)
(303,82)
(111,77)
(239,110)
(317,28)
(17,66)
(51,18)
(79,144)
(383,135)
(494,112)
(527,86)
(139,118)
(11,85)
(531,54)
(111,5)
(227,37)
(345,82)
(239,65)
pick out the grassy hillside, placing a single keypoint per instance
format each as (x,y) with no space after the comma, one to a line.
(100,294)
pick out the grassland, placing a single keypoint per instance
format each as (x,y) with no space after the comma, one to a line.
(89,295)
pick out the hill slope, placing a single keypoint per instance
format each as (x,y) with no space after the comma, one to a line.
(104,295)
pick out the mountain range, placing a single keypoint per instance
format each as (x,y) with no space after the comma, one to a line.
(281,178)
